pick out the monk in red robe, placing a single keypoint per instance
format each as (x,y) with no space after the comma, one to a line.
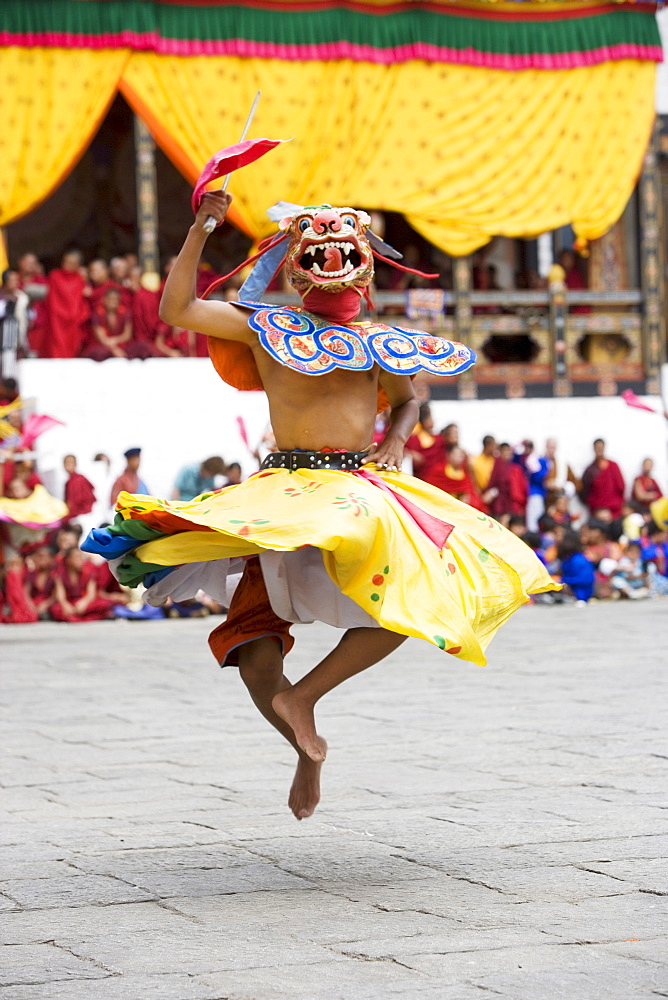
(112,331)
(602,483)
(77,599)
(19,468)
(146,323)
(39,582)
(453,477)
(645,488)
(426,450)
(129,479)
(33,281)
(100,283)
(108,587)
(506,492)
(20,610)
(67,308)
(79,492)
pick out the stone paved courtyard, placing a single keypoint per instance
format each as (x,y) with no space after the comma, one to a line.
(494,832)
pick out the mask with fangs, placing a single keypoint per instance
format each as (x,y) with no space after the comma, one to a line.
(328,249)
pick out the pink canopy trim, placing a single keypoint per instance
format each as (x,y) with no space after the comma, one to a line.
(631,399)
(34,427)
(229,159)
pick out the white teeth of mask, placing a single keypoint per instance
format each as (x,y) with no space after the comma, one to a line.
(331,274)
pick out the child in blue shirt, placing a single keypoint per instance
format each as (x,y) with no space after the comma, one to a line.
(576,571)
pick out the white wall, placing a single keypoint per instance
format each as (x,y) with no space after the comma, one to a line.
(179,411)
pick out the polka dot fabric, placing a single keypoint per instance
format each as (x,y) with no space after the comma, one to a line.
(51,102)
(465,153)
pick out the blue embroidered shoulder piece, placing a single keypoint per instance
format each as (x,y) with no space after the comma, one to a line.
(312,346)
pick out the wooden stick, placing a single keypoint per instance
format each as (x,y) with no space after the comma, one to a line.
(210,223)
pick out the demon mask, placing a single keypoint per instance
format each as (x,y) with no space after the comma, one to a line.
(328,249)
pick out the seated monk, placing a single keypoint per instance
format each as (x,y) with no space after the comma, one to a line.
(453,477)
(17,489)
(39,582)
(100,283)
(76,593)
(108,587)
(20,470)
(172,342)
(19,608)
(111,328)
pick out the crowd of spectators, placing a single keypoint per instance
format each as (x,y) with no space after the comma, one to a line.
(596,535)
(109,309)
(99,311)
(44,574)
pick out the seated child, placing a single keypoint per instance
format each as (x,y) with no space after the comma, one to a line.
(633,521)
(630,578)
(655,556)
(517,525)
(577,573)
(559,511)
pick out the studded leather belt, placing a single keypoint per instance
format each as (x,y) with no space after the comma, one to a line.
(344,461)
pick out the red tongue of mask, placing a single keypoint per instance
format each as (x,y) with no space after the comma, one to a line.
(333,259)
(336,307)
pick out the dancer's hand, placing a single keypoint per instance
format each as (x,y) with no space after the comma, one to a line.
(389,454)
(215,203)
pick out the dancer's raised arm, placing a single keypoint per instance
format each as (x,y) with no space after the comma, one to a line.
(179,305)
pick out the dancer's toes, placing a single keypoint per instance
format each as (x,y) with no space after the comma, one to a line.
(299,716)
(305,792)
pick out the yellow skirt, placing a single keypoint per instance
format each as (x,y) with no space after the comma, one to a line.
(414,559)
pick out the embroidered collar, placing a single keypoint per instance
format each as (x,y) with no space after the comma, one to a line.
(313,346)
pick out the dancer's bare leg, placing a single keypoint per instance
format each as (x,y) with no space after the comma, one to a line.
(358,649)
(261,669)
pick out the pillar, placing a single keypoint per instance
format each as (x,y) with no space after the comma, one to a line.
(652,268)
(147,206)
(466,385)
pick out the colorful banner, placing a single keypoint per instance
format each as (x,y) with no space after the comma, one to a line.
(509,36)
(473,119)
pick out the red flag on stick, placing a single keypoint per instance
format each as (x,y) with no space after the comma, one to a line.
(229,159)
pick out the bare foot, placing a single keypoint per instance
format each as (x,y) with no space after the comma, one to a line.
(299,716)
(305,792)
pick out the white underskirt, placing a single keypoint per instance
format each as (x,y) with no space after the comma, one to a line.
(299,588)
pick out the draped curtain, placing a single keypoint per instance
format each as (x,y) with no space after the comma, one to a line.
(472,119)
(464,153)
(52,101)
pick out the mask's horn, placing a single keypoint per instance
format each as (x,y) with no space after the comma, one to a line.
(283,209)
(257,281)
(381,247)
